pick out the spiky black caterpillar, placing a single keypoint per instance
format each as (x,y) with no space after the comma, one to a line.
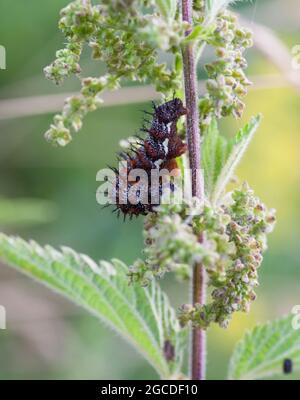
(157,151)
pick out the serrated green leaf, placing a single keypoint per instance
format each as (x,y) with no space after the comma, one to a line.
(220,156)
(167,8)
(199,32)
(196,33)
(214,155)
(143,317)
(261,353)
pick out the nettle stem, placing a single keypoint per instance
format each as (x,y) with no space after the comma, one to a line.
(198,350)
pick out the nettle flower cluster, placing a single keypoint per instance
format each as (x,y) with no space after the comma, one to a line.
(125,35)
(128,38)
(171,244)
(234,237)
(227,83)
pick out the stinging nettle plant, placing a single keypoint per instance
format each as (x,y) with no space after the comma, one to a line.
(217,243)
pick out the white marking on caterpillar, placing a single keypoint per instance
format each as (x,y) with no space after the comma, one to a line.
(165,144)
(157,163)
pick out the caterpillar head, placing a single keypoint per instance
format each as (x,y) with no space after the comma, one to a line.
(170,111)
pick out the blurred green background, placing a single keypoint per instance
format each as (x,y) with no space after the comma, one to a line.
(47,337)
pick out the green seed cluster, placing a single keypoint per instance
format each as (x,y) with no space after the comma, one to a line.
(78,23)
(126,36)
(199,6)
(76,108)
(239,232)
(171,245)
(227,83)
(65,64)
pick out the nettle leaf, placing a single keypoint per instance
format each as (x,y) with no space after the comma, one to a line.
(143,317)
(167,8)
(261,353)
(221,156)
(215,149)
(235,150)
(200,33)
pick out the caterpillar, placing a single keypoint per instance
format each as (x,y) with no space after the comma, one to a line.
(156,152)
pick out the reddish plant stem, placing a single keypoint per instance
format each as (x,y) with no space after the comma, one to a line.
(198,350)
